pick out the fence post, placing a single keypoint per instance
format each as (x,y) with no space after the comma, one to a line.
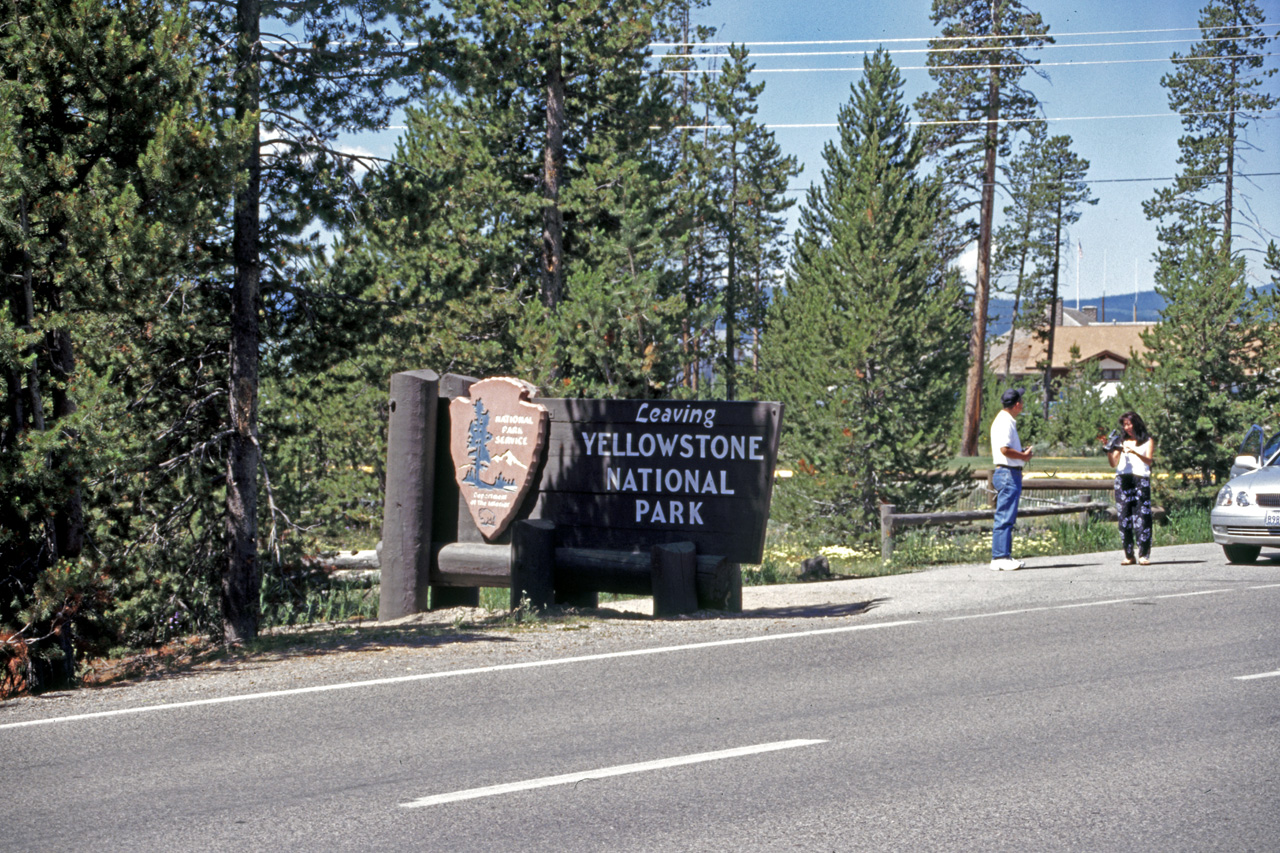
(886,531)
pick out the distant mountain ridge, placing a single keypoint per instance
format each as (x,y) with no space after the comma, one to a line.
(1119,307)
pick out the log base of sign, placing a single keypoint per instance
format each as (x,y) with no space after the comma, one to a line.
(673,576)
(577,575)
(470,564)
(533,557)
(717,582)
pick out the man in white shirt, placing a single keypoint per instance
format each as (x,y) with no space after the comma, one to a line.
(1008,457)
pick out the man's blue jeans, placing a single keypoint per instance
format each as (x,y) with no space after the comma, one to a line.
(1008,485)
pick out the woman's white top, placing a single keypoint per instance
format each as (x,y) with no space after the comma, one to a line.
(1130,463)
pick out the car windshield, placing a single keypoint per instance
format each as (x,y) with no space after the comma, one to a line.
(1271,453)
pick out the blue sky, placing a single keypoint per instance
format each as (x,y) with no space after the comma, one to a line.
(1103,90)
(1112,73)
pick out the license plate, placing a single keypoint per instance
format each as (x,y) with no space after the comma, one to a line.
(1272,519)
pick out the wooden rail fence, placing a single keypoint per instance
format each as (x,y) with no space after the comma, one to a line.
(892,521)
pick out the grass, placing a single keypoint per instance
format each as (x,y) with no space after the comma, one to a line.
(921,547)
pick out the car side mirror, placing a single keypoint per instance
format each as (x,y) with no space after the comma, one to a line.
(1244,464)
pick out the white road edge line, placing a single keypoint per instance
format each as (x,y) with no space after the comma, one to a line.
(1275,674)
(428,676)
(1079,604)
(604,773)
(454,673)
(1191,594)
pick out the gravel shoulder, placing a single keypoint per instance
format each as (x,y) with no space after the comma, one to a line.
(465,638)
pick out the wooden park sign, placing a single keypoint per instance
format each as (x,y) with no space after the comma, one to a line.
(621,474)
(603,485)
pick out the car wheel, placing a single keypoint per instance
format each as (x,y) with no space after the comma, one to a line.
(1241,553)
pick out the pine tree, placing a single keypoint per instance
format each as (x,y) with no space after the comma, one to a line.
(978,64)
(1211,359)
(1218,89)
(690,206)
(865,345)
(527,198)
(1047,187)
(1017,253)
(1204,369)
(346,72)
(109,172)
(751,177)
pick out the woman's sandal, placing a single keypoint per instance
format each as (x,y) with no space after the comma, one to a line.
(1127,561)
(1143,561)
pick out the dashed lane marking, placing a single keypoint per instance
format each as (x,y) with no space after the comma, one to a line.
(604,773)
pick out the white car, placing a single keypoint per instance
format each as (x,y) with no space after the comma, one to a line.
(1246,515)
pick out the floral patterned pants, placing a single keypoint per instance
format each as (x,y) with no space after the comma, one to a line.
(1133,503)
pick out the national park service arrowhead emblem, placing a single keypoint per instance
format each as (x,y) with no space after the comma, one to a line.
(496,438)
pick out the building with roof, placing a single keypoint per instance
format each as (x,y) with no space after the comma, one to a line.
(1016,356)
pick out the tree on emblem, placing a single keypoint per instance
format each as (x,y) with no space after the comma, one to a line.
(478,436)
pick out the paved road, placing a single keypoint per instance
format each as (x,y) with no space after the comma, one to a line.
(1076,705)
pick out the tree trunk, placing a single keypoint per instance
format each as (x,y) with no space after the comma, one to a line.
(1053,312)
(240,580)
(982,285)
(552,160)
(35,403)
(1230,169)
(731,281)
(68,523)
(1017,302)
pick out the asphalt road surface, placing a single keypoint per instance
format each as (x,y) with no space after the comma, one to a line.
(1075,705)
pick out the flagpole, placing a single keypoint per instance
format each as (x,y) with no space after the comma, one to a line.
(1135,290)
(1079,263)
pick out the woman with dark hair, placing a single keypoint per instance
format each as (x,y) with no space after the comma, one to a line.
(1132,461)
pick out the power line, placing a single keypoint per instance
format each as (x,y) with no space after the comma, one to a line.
(1108,180)
(1069,63)
(753,55)
(953,38)
(1261,115)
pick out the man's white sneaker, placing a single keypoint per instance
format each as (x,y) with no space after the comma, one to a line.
(1006,564)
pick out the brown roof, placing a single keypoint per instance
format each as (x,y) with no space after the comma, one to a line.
(1118,341)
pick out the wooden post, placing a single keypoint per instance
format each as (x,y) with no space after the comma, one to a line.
(533,556)
(406,513)
(733,603)
(674,578)
(886,531)
(719,584)
(446,497)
